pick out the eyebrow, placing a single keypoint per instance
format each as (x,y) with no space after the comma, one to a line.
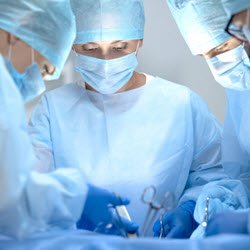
(119,41)
(89,43)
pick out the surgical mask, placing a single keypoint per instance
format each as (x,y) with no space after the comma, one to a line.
(106,76)
(30,83)
(232,69)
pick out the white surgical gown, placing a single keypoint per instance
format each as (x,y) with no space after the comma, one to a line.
(236,136)
(159,134)
(31,201)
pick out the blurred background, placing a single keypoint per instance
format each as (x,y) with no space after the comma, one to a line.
(164,54)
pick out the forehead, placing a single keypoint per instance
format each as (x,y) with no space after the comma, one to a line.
(110,43)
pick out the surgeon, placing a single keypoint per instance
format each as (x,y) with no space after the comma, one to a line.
(219,30)
(128,130)
(34,47)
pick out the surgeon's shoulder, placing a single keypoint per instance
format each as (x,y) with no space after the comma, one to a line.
(65,90)
(65,93)
(173,91)
(182,95)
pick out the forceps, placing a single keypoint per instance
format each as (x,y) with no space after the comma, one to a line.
(149,197)
(162,227)
(205,220)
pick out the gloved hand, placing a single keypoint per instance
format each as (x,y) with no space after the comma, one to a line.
(228,222)
(120,226)
(178,223)
(98,213)
(224,195)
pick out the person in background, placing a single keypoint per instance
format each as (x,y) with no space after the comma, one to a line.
(219,31)
(128,130)
(34,46)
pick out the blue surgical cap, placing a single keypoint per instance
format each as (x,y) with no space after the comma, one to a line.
(46,25)
(201,22)
(102,20)
(235,6)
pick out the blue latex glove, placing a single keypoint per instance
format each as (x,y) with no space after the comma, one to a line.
(228,222)
(98,213)
(178,223)
(120,226)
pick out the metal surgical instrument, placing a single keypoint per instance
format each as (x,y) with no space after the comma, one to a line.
(122,212)
(162,227)
(206,215)
(149,197)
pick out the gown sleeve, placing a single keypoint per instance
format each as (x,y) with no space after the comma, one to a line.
(31,201)
(207,177)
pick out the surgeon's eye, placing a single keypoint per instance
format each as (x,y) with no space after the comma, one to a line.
(222,48)
(47,70)
(89,48)
(120,47)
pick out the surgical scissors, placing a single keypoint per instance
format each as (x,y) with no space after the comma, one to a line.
(149,197)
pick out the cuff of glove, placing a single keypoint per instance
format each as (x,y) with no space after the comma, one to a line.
(189,206)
